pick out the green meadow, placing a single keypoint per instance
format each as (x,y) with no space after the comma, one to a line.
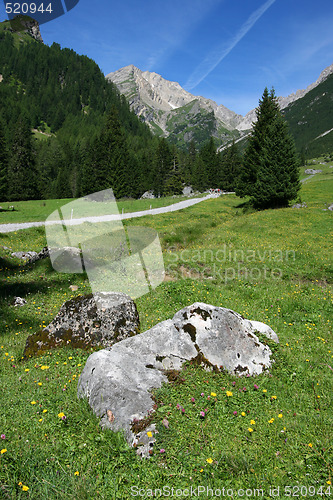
(39,210)
(258,435)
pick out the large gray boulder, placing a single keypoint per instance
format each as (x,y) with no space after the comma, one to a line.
(148,195)
(24,255)
(188,191)
(117,381)
(98,320)
(312,171)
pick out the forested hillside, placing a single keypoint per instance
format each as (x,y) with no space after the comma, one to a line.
(311,120)
(65,131)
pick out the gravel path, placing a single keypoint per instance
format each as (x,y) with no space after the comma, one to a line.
(8,228)
(307,178)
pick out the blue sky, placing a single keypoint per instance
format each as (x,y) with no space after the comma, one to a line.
(226,50)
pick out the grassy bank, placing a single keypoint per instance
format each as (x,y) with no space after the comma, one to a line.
(274,431)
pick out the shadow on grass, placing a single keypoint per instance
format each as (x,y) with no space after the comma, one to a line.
(10,290)
(246,207)
(7,264)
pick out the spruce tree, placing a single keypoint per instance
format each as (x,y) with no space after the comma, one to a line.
(270,171)
(162,166)
(230,167)
(173,181)
(3,164)
(22,171)
(210,159)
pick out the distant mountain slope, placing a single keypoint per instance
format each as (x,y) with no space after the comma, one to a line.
(310,119)
(173,112)
(284,102)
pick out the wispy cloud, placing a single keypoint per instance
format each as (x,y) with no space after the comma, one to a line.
(214,58)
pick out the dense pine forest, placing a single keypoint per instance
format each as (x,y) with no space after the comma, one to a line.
(65,132)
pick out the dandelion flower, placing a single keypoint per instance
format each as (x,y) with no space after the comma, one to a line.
(243,414)
(33,402)
(44,367)
(229,393)
(209,460)
(273,397)
(250,430)
(60,415)
(3,451)
(271,421)
(25,488)
(280,415)
(213,394)
(76,473)
(264,390)
(149,434)
(310,444)
(252,422)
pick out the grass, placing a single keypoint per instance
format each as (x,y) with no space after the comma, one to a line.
(39,210)
(271,431)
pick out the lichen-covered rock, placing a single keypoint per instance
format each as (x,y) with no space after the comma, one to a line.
(82,324)
(312,171)
(43,254)
(118,381)
(24,255)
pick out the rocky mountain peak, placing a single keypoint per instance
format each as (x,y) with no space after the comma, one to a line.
(28,25)
(164,104)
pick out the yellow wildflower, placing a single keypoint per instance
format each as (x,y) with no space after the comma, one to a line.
(209,460)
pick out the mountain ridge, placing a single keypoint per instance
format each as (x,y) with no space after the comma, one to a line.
(159,102)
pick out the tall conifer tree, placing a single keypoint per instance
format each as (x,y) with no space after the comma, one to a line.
(22,172)
(3,164)
(270,171)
